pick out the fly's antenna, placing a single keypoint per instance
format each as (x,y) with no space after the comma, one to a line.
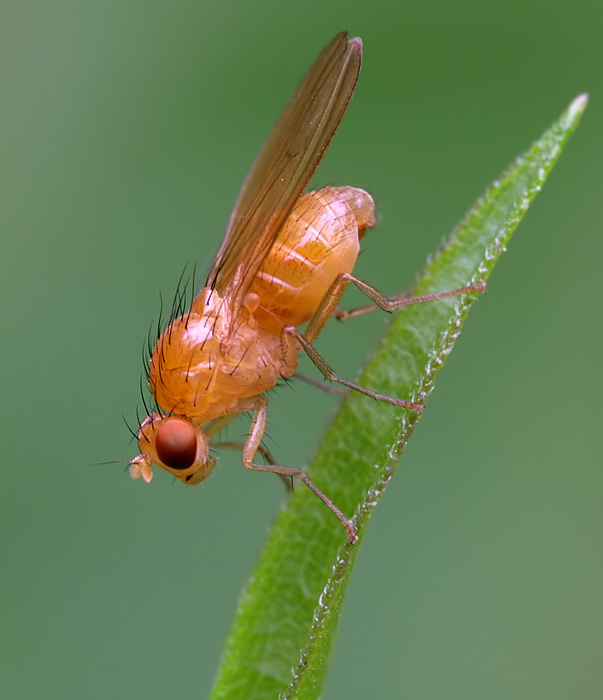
(127,462)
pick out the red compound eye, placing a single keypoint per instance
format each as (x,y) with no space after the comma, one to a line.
(176,444)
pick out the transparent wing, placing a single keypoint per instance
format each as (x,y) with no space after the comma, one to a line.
(284,167)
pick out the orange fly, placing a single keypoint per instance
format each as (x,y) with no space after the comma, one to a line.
(285,260)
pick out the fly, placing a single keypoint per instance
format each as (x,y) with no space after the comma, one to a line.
(285,260)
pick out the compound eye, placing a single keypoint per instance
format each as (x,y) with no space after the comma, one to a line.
(176,444)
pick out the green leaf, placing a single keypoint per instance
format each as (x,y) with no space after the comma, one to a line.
(286,619)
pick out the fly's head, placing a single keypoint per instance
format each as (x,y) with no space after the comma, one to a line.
(174,444)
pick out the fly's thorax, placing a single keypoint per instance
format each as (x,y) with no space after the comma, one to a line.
(319,241)
(205,362)
(176,445)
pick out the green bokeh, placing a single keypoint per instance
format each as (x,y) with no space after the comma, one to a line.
(127,129)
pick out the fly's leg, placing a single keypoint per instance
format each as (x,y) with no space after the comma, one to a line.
(264,451)
(321,385)
(397,302)
(328,305)
(292,338)
(218,424)
(252,445)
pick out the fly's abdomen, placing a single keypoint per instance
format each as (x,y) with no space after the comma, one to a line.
(319,240)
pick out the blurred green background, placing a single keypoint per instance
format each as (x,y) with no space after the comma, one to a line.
(127,130)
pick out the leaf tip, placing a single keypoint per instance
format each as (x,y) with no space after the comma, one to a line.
(578,106)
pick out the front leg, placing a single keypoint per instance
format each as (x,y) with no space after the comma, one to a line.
(252,445)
